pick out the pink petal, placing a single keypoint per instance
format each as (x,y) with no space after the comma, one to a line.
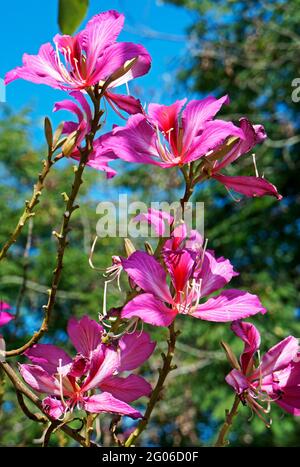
(105,402)
(178,236)
(41,68)
(135,349)
(126,389)
(238,381)
(197,113)
(251,337)
(53,407)
(105,361)
(148,274)
(5,318)
(214,274)
(180,265)
(39,379)
(157,219)
(230,305)
(252,135)
(278,357)
(212,136)
(85,334)
(129,104)
(115,56)
(47,356)
(249,185)
(134,143)
(149,309)
(100,32)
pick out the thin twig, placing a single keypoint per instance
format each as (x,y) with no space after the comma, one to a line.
(156,393)
(230,414)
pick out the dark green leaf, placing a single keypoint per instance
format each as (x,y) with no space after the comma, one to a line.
(71,13)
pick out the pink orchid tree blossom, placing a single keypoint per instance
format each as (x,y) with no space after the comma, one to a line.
(276,378)
(90,380)
(170,136)
(5,316)
(92,57)
(194,275)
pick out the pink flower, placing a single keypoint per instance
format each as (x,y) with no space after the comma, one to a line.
(215,162)
(90,57)
(194,274)
(275,379)
(68,382)
(170,137)
(77,131)
(5,316)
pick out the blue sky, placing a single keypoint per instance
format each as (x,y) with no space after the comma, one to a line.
(26,25)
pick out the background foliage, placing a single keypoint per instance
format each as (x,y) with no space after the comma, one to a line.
(250,51)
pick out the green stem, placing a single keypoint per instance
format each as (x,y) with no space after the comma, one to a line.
(230,414)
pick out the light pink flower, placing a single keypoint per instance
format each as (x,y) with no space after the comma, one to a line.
(5,316)
(90,57)
(97,160)
(252,186)
(169,136)
(194,275)
(275,379)
(68,381)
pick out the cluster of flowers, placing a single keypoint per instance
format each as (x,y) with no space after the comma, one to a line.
(182,281)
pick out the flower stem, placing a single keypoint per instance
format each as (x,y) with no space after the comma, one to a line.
(230,414)
(156,393)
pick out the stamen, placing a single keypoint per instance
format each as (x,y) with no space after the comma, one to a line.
(255,166)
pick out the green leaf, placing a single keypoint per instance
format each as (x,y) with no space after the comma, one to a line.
(71,13)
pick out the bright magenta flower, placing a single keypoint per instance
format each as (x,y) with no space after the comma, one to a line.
(170,137)
(68,381)
(90,57)
(275,379)
(5,316)
(194,275)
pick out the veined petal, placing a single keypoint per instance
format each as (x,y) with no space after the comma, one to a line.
(251,338)
(39,379)
(149,309)
(157,219)
(105,361)
(126,389)
(136,142)
(249,185)
(85,334)
(197,113)
(238,381)
(129,104)
(214,274)
(230,305)
(115,57)
(53,407)
(135,349)
(41,68)
(212,136)
(180,265)
(148,274)
(278,357)
(100,32)
(105,402)
(48,356)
